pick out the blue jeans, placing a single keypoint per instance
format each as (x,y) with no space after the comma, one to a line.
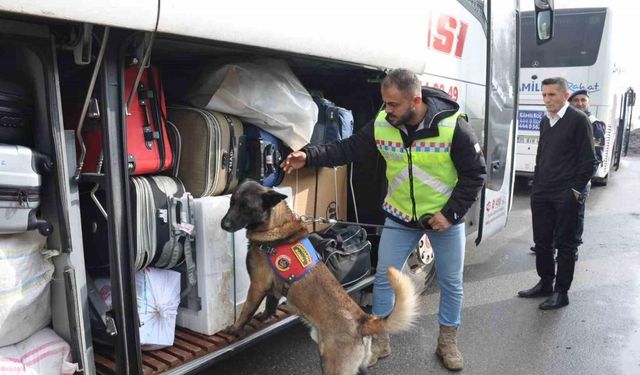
(448,247)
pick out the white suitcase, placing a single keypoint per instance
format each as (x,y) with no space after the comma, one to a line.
(222,277)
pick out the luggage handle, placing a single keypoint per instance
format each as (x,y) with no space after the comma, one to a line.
(158,116)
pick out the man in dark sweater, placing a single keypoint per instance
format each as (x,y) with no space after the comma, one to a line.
(565,162)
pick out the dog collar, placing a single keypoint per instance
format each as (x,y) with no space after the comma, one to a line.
(292,261)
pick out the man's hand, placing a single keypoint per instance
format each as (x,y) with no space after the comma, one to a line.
(439,222)
(295,160)
(576,194)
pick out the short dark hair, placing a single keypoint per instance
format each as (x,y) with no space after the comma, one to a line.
(561,82)
(404,79)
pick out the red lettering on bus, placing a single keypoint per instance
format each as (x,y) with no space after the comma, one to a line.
(449,37)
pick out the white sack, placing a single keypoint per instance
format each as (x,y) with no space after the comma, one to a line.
(263,92)
(25,275)
(44,353)
(158,296)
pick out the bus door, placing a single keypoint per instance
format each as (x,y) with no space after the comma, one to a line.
(500,119)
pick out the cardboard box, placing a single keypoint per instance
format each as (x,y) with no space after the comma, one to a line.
(331,195)
(319,192)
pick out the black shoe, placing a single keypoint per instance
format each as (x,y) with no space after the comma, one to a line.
(540,290)
(556,301)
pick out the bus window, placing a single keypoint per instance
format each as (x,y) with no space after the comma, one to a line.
(575,42)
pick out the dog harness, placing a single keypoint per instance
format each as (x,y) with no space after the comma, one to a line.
(292,261)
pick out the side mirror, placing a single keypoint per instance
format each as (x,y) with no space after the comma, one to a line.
(544,20)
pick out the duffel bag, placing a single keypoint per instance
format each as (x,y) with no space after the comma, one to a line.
(346,252)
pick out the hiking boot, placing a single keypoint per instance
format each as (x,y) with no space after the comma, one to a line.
(380,348)
(448,349)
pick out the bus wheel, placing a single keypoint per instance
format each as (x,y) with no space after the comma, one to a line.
(596,181)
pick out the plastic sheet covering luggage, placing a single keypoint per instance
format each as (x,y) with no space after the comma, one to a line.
(43,353)
(264,92)
(158,296)
(25,275)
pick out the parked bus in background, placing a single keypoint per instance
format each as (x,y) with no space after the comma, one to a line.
(580,51)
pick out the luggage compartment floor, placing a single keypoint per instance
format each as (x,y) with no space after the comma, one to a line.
(188,345)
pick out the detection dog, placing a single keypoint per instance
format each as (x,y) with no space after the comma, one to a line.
(339,326)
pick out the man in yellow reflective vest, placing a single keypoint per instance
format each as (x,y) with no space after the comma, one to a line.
(434,169)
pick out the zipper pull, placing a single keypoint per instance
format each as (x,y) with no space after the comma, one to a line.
(23,199)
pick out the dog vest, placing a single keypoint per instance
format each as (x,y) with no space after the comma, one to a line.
(292,261)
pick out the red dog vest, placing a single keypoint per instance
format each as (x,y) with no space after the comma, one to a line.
(292,261)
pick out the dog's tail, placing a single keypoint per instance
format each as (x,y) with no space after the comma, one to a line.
(404,311)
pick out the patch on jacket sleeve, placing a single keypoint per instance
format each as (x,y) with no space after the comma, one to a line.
(477,148)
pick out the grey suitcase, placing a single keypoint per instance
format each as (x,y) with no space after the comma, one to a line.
(20,170)
(208,160)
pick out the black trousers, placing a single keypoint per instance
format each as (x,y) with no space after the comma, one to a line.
(556,221)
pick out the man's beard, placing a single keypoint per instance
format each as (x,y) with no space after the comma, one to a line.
(401,120)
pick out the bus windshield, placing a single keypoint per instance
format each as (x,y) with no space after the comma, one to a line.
(576,39)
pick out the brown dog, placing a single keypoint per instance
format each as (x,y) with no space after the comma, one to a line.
(340,327)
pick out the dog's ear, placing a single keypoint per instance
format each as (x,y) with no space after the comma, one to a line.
(271,198)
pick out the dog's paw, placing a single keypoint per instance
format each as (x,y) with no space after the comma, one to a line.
(263,316)
(233,331)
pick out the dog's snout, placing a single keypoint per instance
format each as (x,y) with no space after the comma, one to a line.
(226,223)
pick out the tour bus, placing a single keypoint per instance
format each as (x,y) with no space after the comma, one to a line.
(580,52)
(70,49)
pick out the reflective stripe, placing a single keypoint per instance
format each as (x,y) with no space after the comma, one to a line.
(421,175)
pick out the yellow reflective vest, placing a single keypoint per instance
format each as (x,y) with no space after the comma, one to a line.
(422,177)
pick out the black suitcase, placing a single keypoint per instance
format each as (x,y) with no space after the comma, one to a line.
(161,221)
(16,114)
(261,156)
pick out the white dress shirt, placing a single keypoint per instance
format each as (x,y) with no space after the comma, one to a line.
(553,120)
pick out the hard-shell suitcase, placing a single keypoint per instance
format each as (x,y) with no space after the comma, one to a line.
(16,114)
(209,153)
(148,146)
(20,170)
(223,280)
(261,156)
(161,221)
(334,123)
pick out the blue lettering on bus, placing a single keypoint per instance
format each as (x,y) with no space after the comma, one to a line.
(537,86)
(529,120)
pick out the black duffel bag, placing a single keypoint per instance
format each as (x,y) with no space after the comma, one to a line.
(345,250)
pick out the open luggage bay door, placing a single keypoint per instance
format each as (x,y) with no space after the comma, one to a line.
(500,120)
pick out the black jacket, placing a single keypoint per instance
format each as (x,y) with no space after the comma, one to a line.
(465,153)
(565,158)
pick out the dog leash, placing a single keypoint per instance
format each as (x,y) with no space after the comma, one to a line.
(323,220)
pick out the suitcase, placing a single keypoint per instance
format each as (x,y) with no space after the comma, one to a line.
(161,219)
(16,114)
(20,170)
(209,165)
(261,156)
(148,147)
(334,123)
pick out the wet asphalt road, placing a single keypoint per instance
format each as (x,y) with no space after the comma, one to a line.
(598,333)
